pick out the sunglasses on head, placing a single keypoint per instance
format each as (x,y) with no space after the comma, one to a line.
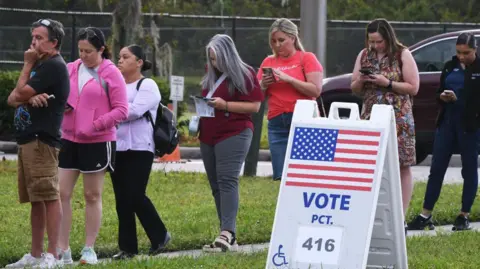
(45,23)
(88,32)
(48,24)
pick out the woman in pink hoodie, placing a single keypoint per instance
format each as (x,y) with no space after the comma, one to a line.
(96,104)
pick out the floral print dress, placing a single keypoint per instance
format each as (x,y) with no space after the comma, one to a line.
(402,103)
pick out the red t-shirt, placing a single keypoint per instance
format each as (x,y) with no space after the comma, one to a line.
(214,130)
(282,95)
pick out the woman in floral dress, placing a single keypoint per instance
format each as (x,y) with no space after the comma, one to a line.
(393,81)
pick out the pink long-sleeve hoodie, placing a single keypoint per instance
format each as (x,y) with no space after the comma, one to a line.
(94,117)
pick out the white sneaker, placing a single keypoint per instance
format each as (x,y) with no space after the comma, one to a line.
(26,261)
(65,255)
(49,261)
(88,256)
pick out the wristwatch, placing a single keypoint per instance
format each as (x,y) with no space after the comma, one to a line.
(390,85)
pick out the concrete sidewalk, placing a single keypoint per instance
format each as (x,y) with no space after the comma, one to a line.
(249,249)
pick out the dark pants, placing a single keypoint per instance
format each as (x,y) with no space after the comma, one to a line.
(448,135)
(130,180)
(278,131)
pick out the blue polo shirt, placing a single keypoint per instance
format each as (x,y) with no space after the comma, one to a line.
(455,81)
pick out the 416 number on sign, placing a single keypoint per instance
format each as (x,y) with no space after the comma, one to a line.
(318,245)
(328,246)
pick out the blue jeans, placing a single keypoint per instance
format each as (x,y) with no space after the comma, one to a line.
(278,130)
(449,134)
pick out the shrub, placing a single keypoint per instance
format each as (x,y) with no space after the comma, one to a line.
(8,81)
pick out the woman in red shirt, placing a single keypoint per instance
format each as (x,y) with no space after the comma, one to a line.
(295,75)
(234,93)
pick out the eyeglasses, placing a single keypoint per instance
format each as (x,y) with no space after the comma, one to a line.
(44,22)
(48,24)
(88,32)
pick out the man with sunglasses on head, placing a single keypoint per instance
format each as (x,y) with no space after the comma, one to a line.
(40,98)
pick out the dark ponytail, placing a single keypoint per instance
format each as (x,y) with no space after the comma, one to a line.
(140,55)
(147,65)
(467,38)
(106,53)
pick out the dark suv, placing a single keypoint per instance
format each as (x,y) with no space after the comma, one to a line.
(430,55)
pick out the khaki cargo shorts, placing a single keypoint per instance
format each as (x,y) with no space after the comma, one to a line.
(37,172)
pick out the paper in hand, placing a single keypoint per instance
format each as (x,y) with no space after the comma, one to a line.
(202,108)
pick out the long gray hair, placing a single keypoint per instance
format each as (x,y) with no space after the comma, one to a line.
(228,61)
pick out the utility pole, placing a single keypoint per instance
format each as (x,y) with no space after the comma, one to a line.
(251,161)
(74,47)
(313,16)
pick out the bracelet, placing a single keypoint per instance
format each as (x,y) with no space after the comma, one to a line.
(390,85)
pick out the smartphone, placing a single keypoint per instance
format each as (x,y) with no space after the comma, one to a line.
(366,71)
(202,97)
(268,71)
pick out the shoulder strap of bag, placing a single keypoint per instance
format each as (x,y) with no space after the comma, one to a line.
(215,86)
(305,77)
(147,114)
(102,82)
(139,83)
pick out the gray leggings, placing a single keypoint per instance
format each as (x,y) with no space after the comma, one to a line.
(223,163)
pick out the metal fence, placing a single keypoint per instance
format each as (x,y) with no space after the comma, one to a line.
(188,35)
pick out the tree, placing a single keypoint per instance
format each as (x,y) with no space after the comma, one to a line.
(126,24)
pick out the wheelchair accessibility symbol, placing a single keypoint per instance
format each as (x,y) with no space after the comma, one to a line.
(279,258)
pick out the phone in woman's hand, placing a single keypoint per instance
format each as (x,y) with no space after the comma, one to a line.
(68,107)
(366,71)
(269,72)
(451,94)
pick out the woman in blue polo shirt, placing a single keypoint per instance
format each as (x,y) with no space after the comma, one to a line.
(457,126)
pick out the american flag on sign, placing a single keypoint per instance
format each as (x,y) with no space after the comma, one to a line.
(333,159)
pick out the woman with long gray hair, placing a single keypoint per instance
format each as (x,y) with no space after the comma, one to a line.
(234,93)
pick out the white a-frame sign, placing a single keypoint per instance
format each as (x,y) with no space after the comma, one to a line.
(340,204)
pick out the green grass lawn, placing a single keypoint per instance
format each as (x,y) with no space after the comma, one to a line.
(186,206)
(456,251)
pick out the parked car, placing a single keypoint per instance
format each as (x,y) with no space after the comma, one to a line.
(430,55)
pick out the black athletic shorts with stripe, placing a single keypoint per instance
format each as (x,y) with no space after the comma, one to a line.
(87,157)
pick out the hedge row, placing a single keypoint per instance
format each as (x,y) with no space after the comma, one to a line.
(8,80)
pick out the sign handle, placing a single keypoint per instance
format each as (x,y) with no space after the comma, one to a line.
(334,114)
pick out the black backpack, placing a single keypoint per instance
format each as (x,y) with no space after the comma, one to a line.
(165,133)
